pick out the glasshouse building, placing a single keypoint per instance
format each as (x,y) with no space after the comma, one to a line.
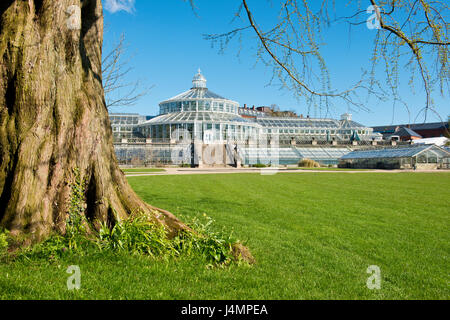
(123,124)
(193,121)
(207,116)
(198,114)
(411,157)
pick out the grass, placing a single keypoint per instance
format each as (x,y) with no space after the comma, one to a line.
(143,170)
(327,169)
(313,236)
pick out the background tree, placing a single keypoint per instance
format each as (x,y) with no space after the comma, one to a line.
(413,32)
(54,120)
(115,68)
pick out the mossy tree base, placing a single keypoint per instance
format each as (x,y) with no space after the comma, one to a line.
(54,122)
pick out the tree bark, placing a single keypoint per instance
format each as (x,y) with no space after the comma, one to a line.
(53,119)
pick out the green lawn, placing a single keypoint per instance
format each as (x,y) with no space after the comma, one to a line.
(313,236)
(328,169)
(143,170)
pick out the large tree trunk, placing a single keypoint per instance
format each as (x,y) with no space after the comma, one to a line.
(53,119)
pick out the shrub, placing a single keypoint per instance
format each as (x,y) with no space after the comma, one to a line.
(215,247)
(139,235)
(259,165)
(307,163)
(142,236)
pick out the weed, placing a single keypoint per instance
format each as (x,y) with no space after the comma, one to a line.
(76,221)
(4,234)
(138,235)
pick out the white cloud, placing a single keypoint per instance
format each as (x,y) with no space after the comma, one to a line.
(118,5)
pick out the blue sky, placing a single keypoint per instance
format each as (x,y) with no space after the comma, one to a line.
(166,46)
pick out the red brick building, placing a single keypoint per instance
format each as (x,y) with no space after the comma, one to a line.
(425,130)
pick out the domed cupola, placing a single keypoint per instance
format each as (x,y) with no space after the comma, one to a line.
(199,99)
(199,81)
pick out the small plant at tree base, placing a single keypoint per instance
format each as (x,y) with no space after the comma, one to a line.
(76,222)
(140,235)
(214,247)
(3,241)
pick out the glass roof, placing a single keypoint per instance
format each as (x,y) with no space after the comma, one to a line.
(217,117)
(196,93)
(309,123)
(295,153)
(322,153)
(351,124)
(298,123)
(269,153)
(405,152)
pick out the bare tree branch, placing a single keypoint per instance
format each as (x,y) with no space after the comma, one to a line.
(411,31)
(114,70)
